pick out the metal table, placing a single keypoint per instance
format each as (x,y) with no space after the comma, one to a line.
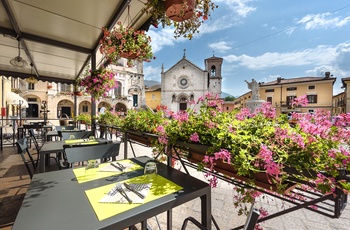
(53,147)
(55,200)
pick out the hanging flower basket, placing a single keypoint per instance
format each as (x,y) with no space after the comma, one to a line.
(78,93)
(99,82)
(185,16)
(127,43)
(180,10)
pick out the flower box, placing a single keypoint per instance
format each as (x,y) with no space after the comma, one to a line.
(146,139)
(196,153)
(78,93)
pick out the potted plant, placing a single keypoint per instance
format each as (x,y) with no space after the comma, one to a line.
(125,42)
(186,16)
(141,125)
(99,82)
(84,118)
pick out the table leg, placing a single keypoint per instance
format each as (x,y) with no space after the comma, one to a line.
(206,209)
(169,219)
(41,162)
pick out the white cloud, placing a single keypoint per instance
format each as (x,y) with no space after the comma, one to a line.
(325,20)
(342,56)
(162,37)
(241,7)
(320,71)
(152,73)
(220,46)
(317,56)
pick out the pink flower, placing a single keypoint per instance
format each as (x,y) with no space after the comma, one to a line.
(194,137)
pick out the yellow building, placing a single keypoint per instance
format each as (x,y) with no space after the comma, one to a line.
(319,92)
(346,82)
(339,104)
(281,92)
(238,103)
(153,96)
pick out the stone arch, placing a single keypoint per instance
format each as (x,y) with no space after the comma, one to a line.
(84,107)
(65,106)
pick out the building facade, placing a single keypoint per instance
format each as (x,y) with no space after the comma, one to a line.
(184,83)
(339,105)
(56,100)
(281,92)
(153,96)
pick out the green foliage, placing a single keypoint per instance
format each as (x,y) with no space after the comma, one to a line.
(142,120)
(108,118)
(84,118)
(229,98)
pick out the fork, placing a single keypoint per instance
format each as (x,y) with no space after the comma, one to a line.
(122,192)
(132,189)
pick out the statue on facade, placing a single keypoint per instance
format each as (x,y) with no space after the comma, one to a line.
(254,87)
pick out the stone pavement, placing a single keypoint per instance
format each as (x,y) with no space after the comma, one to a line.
(222,202)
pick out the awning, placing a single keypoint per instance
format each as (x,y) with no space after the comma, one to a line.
(15,99)
(59,37)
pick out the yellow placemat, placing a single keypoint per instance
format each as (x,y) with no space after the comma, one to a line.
(81,141)
(160,187)
(84,175)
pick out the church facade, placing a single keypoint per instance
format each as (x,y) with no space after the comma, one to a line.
(184,83)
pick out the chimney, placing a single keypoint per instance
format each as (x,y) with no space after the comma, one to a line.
(279,80)
(327,74)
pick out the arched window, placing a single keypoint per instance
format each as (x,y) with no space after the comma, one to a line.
(213,71)
(183,103)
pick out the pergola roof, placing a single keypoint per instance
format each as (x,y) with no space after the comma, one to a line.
(59,37)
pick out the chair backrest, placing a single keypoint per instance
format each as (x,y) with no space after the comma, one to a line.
(32,136)
(69,127)
(78,153)
(77,134)
(22,146)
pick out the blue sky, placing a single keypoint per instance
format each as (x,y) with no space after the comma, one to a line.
(264,39)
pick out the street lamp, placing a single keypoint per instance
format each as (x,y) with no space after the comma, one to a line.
(44,110)
(20,103)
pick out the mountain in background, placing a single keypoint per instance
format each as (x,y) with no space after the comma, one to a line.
(149,83)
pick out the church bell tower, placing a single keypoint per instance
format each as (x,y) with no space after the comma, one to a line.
(213,66)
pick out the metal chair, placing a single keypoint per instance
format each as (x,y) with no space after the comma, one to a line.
(38,147)
(81,153)
(29,162)
(65,135)
(69,127)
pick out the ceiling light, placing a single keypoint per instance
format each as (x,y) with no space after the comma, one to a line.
(31,79)
(18,61)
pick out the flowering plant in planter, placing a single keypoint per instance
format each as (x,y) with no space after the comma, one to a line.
(144,120)
(312,150)
(186,21)
(84,118)
(127,43)
(99,82)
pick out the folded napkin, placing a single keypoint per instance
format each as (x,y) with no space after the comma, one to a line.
(114,196)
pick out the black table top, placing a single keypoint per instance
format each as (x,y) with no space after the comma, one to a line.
(55,200)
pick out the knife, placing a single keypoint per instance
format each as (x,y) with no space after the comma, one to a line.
(134,191)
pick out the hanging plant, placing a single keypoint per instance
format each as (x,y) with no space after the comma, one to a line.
(186,16)
(126,43)
(99,82)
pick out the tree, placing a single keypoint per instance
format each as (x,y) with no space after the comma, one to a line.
(229,98)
